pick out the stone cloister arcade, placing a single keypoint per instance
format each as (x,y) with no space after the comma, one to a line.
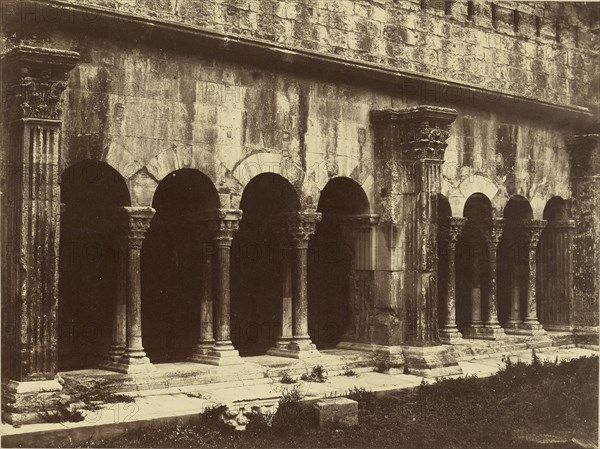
(186,280)
(121,262)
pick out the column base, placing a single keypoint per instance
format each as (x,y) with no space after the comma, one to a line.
(487,332)
(27,402)
(473,330)
(526,329)
(131,365)
(220,355)
(450,335)
(431,361)
(559,327)
(296,349)
(201,350)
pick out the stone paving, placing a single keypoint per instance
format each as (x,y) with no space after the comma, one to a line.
(184,403)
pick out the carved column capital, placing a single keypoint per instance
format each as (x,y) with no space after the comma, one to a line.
(532,230)
(136,221)
(455,228)
(225,224)
(35,79)
(496,231)
(417,133)
(301,225)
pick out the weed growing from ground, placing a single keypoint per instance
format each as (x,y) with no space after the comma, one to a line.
(318,374)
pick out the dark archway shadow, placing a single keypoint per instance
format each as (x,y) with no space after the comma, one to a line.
(92,192)
(171,265)
(336,309)
(256,259)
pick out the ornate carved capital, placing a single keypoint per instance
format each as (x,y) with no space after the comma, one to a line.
(225,224)
(417,133)
(561,224)
(35,78)
(301,225)
(455,228)
(532,230)
(136,221)
(496,231)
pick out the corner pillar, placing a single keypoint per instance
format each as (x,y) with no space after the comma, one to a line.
(409,152)
(34,80)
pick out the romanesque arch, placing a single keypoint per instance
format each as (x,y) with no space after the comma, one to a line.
(260,253)
(472,266)
(92,194)
(171,264)
(340,266)
(513,264)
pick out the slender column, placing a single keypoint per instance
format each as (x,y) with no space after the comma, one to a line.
(206,340)
(533,230)
(223,228)
(514,320)
(299,226)
(492,329)
(472,328)
(286,327)
(449,333)
(119,325)
(136,222)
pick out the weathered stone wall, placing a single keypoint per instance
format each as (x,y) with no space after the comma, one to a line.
(543,50)
(148,109)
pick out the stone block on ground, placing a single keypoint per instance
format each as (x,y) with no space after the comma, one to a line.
(336,412)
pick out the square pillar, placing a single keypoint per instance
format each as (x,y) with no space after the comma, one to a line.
(34,80)
(409,152)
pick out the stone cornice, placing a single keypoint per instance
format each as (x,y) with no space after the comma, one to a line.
(35,79)
(262,51)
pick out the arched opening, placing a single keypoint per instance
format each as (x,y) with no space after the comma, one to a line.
(92,192)
(554,267)
(171,264)
(256,260)
(472,267)
(444,212)
(513,264)
(339,266)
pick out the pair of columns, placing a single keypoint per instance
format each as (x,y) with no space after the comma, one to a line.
(490,328)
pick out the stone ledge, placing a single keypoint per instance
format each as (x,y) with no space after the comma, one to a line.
(336,412)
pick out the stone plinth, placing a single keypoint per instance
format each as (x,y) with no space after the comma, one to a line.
(431,361)
(336,413)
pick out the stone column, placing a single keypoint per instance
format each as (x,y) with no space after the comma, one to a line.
(514,318)
(449,333)
(533,230)
(409,152)
(136,221)
(285,281)
(474,326)
(300,226)
(119,324)
(223,228)
(492,329)
(33,82)
(206,339)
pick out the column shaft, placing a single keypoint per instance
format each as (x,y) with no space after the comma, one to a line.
(206,339)
(449,332)
(492,329)
(533,230)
